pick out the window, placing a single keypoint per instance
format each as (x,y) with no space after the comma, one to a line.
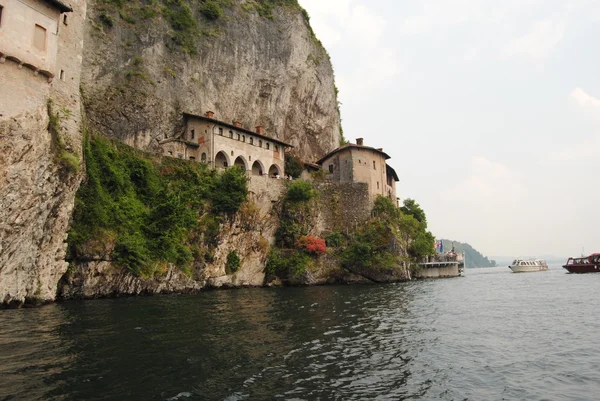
(221,131)
(243,138)
(249,158)
(62,75)
(231,134)
(268,145)
(331,168)
(232,153)
(193,134)
(276,148)
(374,168)
(39,38)
(238,137)
(377,184)
(170,153)
(251,141)
(65,19)
(259,143)
(203,158)
(192,158)
(1,8)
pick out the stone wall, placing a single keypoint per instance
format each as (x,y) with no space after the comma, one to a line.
(438,272)
(342,206)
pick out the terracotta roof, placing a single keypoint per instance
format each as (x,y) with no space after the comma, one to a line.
(312,165)
(389,170)
(350,146)
(212,120)
(60,5)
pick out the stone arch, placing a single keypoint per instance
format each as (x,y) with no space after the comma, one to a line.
(258,168)
(222,160)
(240,161)
(275,170)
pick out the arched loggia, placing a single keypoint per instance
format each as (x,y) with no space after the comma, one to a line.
(275,171)
(222,160)
(258,168)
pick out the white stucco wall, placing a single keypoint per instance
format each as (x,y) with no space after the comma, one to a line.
(19,19)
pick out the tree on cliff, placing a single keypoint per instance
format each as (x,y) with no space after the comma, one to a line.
(412,208)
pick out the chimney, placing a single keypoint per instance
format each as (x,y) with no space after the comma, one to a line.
(210,114)
(237,124)
(260,130)
(380,149)
(359,141)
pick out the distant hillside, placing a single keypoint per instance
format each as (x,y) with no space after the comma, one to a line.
(474,258)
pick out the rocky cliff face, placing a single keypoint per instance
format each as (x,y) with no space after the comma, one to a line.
(144,66)
(141,65)
(40,167)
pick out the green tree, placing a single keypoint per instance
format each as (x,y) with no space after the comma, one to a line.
(413,209)
(229,191)
(293,166)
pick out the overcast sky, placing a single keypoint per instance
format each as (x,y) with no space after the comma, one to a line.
(489,109)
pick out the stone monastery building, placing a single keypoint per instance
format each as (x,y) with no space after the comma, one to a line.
(360,163)
(221,145)
(36,46)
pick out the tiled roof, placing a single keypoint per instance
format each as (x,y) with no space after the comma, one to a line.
(350,146)
(212,120)
(60,5)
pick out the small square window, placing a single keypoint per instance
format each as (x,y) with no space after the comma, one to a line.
(221,131)
(374,168)
(331,168)
(193,134)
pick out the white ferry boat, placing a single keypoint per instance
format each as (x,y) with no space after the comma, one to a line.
(532,265)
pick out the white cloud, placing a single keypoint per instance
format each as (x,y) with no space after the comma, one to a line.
(587,149)
(488,181)
(354,25)
(581,98)
(539,42)
(364,27)
(375,70)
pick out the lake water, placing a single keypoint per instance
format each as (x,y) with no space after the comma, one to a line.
(492,335)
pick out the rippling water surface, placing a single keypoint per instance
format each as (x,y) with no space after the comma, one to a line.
(491,335)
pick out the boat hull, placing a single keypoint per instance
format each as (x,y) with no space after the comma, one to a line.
(580,269)
(527,269)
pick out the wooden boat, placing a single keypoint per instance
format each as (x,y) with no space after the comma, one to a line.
(585,264)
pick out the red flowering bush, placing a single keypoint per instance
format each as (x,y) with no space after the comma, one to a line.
(313,245)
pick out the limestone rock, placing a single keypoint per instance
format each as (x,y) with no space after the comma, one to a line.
(256,70)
